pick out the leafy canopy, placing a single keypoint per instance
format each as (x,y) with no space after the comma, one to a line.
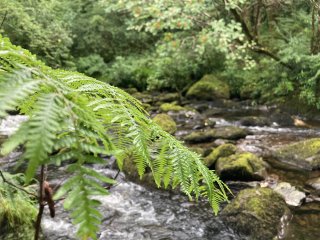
(75,117)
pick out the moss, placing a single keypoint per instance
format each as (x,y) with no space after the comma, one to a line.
(223,150)
(166,107)
(255,213)
(241,166)
(143,97)
(209,88)
(131,172)
(167,97)
(17,214)
(166,122)
(229,132)
(198,150)
(304,154)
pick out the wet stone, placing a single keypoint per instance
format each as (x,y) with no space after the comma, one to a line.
(292,196)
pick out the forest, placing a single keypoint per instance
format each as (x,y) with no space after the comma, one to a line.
(160,119)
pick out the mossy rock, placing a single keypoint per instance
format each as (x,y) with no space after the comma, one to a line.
(131,90)
(17,215)
(229,132)
(255,121)
(167,97)
(223,150)
(166,122)
(241,166)
(131,172)
(199,150)
(255,213)
(166,107)
(209,88)
(304,154)
(143,97)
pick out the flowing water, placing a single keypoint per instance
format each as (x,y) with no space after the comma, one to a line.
(132,212)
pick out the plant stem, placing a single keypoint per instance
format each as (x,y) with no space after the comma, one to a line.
(15,186)
(4,19)
(41,204)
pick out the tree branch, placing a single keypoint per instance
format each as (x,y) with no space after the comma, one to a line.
(4,19)
(258,48)
(15,186)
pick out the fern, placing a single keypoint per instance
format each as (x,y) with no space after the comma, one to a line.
(75,117)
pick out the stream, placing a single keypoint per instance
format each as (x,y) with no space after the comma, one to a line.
(134,212)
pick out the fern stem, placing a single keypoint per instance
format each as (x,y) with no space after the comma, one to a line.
(41,204)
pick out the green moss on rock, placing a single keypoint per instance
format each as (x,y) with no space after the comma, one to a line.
(131,172)
(304,154)
(223,150)
(166,122)
(229,132)
(17,214)
(166,107)
(209,88)
(241,166)
(255,213)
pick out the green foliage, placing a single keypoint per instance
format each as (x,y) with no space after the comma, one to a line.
(132,71)
(17,210)
(38,26)
(74,117)
(92,65)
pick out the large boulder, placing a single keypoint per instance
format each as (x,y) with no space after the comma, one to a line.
(166,122)
(229,132)
(223,150)
(241,166)
(304,154)
(256,213)
(209,88)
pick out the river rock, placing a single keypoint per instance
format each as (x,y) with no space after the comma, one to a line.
(314,183)
(167,97)
(131,172)
(228,132)
(304,154)
(224,150)
(209,88)
(291,195)
(255,121)
(10,124)
(256,213)
(282,118)
(241,166)
(166,107)
(166,122)
(143,97)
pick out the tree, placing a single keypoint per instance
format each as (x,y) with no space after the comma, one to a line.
(74,117)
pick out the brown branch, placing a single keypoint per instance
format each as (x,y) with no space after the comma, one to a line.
(257,19)
(41,204)
(258,48)
(4,19)
(15,186)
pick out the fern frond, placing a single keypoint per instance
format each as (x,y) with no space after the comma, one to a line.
(42,130)
(13,93)
(75,117)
